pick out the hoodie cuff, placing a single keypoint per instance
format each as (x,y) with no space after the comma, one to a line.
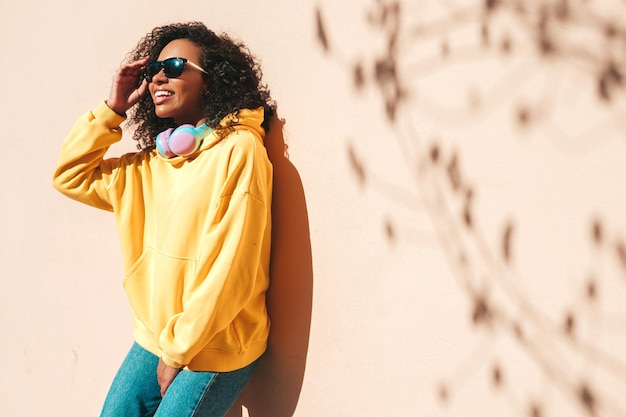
(170,362)
(106,115)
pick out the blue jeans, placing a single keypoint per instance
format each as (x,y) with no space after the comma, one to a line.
(135,391)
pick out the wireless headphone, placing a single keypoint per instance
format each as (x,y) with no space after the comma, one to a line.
(181,141)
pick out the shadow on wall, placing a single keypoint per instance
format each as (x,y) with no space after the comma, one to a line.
(516,62)
(275,386)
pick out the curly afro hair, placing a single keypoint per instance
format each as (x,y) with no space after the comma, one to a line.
(233,82)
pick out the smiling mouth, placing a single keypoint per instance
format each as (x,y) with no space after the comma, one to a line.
(162,93)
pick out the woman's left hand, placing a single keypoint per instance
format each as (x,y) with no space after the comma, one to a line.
(165,375)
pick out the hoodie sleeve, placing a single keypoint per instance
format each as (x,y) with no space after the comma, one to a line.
(232,257)
(82,173)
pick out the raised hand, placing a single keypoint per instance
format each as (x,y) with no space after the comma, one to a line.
(127,87)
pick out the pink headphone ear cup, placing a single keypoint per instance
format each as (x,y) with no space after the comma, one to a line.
(162,143)
(181,141)
(184,140)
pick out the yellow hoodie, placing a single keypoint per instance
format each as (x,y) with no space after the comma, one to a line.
(194,232)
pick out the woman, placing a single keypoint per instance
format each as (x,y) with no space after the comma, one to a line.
(192,208)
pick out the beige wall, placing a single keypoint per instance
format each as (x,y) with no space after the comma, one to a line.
(452,260)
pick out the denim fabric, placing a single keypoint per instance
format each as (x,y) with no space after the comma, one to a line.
(135,391)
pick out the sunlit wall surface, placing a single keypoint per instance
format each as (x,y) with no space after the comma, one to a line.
(450,207)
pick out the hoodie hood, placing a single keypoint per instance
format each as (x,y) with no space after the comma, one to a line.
(249,119)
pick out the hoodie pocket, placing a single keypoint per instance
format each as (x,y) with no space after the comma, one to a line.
(154,286)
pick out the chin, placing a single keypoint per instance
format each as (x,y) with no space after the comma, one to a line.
(164,115)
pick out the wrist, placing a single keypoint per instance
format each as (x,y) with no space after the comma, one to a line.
(171,363)
(117,110)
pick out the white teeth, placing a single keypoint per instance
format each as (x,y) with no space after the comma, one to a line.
(162,93)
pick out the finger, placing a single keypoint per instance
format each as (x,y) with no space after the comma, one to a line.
(130,70)
(143,87)
(164,386)
(141,63)
(133,68)
(140,91)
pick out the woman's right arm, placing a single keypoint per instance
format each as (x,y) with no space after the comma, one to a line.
(82,173)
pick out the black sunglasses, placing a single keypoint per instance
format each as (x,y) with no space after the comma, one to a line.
(172,68)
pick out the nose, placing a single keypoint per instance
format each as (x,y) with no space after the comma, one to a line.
(159,77)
